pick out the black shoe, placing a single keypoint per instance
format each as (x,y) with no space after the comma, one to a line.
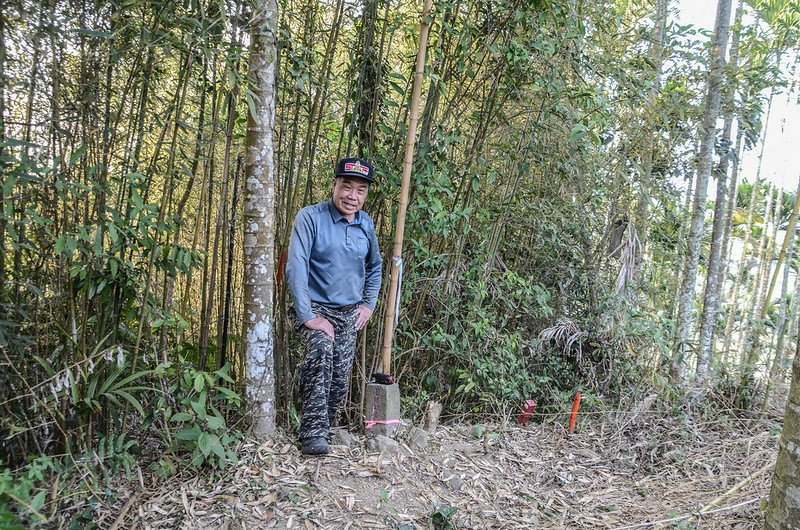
(315,446)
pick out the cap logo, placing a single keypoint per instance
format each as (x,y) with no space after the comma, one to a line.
(356,167)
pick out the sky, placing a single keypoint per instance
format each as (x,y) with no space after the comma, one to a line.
(781,162)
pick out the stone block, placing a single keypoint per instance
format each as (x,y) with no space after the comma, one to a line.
(418,438)
(382,404)
(382,444)
(342,437)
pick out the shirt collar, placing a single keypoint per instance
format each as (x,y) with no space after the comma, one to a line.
(337,216)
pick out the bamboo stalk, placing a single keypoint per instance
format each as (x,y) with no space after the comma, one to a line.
(391,300)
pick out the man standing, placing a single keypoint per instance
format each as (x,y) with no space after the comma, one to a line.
(334,274)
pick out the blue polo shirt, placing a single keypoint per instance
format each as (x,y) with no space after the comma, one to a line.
(332,262)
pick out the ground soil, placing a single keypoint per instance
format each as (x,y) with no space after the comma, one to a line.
(633,470)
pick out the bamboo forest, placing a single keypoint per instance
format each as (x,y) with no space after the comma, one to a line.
(582,216)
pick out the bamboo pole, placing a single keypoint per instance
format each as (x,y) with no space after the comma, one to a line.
(391,300)
(782,255)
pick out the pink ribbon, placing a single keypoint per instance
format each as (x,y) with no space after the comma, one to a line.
(372,423)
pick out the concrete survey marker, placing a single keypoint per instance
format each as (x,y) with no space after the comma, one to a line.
(382,409)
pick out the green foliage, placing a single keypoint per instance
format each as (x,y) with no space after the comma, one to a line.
(443,518)
(203,400)
(26,490)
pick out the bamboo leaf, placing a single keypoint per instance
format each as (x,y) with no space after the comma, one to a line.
(132,400)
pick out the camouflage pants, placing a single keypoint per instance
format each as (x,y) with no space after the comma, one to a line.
(324,373)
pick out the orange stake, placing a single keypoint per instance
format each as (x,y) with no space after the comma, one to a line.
(575,406)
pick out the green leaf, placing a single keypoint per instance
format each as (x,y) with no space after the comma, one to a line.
(198,382)
(8,185)
(46,365)
(197,458)
(38,501)
(132,400)
(131,378)
(204,443)
(222,373)
(76,155)
(181,416)
(113,233)
(230,394)
(577,132)
(199,409)
(190,434)
(216,446)
(215,422)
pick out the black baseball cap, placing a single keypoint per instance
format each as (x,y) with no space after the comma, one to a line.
(355,167)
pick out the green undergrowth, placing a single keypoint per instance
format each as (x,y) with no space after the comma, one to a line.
(178,417)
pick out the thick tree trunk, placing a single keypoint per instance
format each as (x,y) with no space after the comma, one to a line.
(784,497)
(714,277)
(259,214)
(708,131)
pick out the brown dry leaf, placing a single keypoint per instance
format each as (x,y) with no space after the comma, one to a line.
(534,477)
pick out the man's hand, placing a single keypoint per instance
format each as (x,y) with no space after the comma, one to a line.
(363,315)
(321,324)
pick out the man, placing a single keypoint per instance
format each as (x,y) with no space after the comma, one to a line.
(333,271)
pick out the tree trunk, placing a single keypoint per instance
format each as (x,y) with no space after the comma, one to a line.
(784,497)
(752,299)
(657,60)
(752,344)
(791,319)
(223,342)
(737,282)
(259,220)
(782,255)
(714,277)
(368,80)
(676,271)
(2,148)
(708,131)
(780,328)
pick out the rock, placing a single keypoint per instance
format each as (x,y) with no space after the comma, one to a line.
(455,483)
(342,437)
(432,416)
(418,438)
(383,444)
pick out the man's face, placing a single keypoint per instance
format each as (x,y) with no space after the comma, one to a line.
(349,194)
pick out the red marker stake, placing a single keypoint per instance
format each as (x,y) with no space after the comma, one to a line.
(575,406)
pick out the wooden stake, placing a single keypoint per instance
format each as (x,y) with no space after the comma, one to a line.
(391,299)
(574,416)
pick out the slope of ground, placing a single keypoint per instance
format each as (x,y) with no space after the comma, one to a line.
(613,473)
